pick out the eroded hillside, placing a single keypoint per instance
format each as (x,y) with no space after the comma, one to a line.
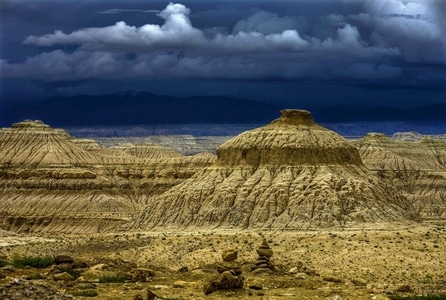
(51,182)
(290,174)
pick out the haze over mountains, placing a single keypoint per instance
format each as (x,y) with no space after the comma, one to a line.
(134,107)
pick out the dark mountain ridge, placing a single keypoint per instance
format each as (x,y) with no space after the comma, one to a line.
(134,107)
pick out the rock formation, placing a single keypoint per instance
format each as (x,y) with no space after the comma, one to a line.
(52,182)
(289,174)
(263,263)
(417,167)
(229,274)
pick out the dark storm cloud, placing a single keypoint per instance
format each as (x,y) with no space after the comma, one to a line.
(376,43)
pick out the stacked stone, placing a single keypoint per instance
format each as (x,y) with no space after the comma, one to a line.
(263,262)
(229,274)
(229,263)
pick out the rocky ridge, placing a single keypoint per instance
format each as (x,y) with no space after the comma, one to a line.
(289,174)
(416,167)
(52,182)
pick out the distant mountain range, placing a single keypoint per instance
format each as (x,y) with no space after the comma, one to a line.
(131,107)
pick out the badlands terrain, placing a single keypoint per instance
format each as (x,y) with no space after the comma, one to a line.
(345,219)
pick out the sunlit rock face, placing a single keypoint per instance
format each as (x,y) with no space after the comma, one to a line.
(416,167)
(293,139)
(289,174)
(52,182)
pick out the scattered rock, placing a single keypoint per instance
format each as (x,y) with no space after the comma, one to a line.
(404,289)
(224,281)
(18,289)
(142,275)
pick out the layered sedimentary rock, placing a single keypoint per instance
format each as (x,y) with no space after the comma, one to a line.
(417,167)
(289,174)
(51,182)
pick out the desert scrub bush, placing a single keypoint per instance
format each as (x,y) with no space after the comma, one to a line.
(118,278)
(41,262)
(425,297)
(84,293)
(3,263)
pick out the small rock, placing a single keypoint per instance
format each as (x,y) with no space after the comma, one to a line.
(224,281)
(142,275)
(294,270)
(404,289)
(184,269)
(265,252)
(151,295)
(262,271)
(255,286)
(183,284)
(229,255)
(8,268)
(359,282)
(160,287)
(332,279)
(63,259)
(63,277)
(301,276)
(233,266)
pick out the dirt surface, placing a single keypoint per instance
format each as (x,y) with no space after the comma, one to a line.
(361,263)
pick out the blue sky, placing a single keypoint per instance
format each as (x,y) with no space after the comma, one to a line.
(364,52)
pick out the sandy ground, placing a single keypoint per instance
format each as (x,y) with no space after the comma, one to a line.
(364,263)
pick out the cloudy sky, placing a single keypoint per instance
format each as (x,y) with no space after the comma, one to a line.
(290,52)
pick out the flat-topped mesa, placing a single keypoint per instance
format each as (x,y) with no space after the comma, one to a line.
(36,124)
(293,139)
(295,117)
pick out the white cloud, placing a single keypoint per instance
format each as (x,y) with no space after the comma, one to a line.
(408,25)
(268,23)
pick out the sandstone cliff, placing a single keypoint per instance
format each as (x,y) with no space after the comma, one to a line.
(289,174)
(416,167)
(52,182)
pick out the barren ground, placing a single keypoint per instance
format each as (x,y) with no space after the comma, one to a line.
(364,263)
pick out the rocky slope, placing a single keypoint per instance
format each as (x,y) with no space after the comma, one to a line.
(290,174)
(416,167)
(51,182)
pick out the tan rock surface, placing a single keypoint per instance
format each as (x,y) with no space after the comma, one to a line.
(51,182)
(416,167)
(290,174)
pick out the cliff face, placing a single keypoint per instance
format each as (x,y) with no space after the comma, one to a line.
(289,174)
(51,182)
(416,167)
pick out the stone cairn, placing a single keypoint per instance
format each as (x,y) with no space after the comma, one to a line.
(229,276)
(263,263)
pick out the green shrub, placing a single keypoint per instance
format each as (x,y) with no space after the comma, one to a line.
(32,261)
(3,263)
(84,293)
(119,278)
